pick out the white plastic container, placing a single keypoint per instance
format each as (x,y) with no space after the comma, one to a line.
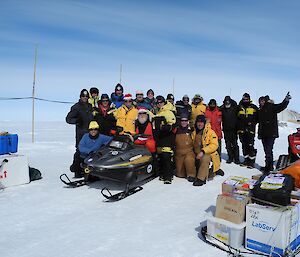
(225,231)
(14,170)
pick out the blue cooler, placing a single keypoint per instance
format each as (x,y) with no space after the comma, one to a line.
(8,144)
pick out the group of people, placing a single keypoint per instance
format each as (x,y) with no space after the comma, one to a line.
(189,133)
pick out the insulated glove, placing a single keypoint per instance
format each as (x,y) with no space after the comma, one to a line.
(288,97)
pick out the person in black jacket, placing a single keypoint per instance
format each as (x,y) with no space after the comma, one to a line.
(183,108)
(104,116)
(246,123)
(80,115)
(268,126)
(229,111)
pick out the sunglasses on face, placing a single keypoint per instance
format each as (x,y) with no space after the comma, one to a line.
(184,120)
(104,101)
(93,129)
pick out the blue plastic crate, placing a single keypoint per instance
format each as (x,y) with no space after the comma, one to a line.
(8,144)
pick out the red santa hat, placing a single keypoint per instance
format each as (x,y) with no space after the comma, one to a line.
(127,97)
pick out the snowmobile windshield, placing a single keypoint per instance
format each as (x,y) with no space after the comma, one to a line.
(117,144)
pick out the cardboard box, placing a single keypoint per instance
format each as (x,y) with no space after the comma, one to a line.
(227,232)
(14,170)
(232,208)
(272,230)
(237,185)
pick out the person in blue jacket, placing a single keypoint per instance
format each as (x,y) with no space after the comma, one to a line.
(92,141)
(117,98)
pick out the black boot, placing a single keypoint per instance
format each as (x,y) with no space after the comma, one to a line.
(220,173)
(199,182)
(190,179)
(245,162)
(229,160)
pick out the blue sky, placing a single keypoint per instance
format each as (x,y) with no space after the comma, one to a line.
(211,47)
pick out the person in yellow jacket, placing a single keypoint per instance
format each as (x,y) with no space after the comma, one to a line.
(94,99)
(205,147)
(163,132)
(198,107)
(126,116)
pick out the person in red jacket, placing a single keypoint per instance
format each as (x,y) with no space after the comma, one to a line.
(143,126)
(214,116)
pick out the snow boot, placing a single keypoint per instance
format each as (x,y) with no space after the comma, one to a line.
(199,182)
(229,160)
(220,173)
(168,181)
(190,179)
(245,162)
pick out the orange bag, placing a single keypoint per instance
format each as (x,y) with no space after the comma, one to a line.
(294,171)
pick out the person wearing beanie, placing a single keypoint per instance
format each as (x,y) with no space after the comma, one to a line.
(268,127)
(205,142)
(92,141)
(126,116)
(184,154)
(81,116)
(140,101)
(151,100)
(170,99)
(229,111)
(117,97)
(198,107)
(246,124)
(214,116)
(183,108)
(163,130)
(94,99)
(104,116)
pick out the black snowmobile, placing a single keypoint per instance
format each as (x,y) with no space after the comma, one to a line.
(120,161)
(293,155)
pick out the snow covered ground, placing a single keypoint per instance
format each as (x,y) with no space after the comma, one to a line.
(44,218)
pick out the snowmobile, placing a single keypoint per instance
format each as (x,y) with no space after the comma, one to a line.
(121,161)
(293,155)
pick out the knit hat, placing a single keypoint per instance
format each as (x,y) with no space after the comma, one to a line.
(84,92)
(200,118)
(170,97)
(93,125)
(150,91)
(197,96)
(184,116)
(212,102)
(185,97)
(160,98)
(104,96)
(94,90)
(246,95)
(119,87)
(127,97)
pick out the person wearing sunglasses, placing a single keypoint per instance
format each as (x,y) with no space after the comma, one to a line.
(105,117)
(164,135)
(183,108)
(126,116)
(81,116)
(184,153)
(117,97)
(246,124)
(92,141)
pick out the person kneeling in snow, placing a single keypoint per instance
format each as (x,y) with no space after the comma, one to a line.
(205,147)
(92,141)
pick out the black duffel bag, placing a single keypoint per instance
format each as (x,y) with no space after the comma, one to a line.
(273,189)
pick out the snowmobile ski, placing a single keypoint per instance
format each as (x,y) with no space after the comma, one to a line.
(121,195)
(75,183)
